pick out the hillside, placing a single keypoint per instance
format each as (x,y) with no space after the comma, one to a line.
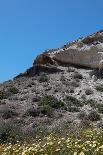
(57,93)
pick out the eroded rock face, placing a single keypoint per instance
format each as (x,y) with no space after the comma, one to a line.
(85,52)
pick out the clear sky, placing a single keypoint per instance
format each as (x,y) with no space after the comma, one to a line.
(28,27)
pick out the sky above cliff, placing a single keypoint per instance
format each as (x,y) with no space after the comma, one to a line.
(28,27)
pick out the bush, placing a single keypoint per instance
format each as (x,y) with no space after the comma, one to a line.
(91,102)
(84,124)
(73,109)
(9,133)
(46,110)
(94,116)
(70,69)
(43,78)
(51,101)
(3,95)
(99,88)
(82,115)
(12,90)
(77,76)
(100,108)
(74,84)
(8,113)
(32,112)
(88,91)
(73,101)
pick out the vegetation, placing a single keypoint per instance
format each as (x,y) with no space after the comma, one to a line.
(89,91)
(51,101)
(73,101)
(43,78)
(77,76)
(99,88)
(87,142)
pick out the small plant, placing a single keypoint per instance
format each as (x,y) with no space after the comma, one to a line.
(99,88)
(9,132)
(88,91)
(3,95)
(43,78)
(82,115)
(51,101)
(77,76)
(8,113)
(73,101)
(32,112)
(73,109)
(74,84)
(94,116)
(12,90)
(70,69)
(46,110)
(91,102)
(100,108)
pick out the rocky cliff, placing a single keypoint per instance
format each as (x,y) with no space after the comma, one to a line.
(85,52)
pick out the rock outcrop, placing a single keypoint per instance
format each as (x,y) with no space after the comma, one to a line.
(86,52)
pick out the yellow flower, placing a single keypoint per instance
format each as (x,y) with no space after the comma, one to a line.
(101,147)
(75,153)
(82,153)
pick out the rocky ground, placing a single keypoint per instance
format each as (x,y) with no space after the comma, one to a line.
(52,101)
(53,96)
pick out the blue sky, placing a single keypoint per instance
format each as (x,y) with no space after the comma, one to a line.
(28,27)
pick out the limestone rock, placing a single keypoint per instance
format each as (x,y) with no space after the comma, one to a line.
(86,52)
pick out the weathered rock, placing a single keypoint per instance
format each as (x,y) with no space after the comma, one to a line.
(86,52)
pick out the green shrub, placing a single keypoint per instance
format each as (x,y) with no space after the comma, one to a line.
(32,112)
(88,91)
(51,101)
(74,84)
(82,115)
(46,110)
(73,109)
(100,108)
(12,90)
(43,78)
(9,132)
(94,116)
(77,76)
(73,101)
(3,95)
(99,88)
(91,102)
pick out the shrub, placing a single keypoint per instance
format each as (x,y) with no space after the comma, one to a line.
(73,109)
(88,91)
(32,112)
(91,102)
(82,115)
(100,108)
(43,78)
(46,110)
(70,69)
(74,84)
(51,101)
(8,113)
(73,101)
(94,116)
(84,124)
(77,76)
(9,132)
(99,88)
(3,95)
(12,90)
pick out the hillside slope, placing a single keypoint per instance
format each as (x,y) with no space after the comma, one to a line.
(53,97)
